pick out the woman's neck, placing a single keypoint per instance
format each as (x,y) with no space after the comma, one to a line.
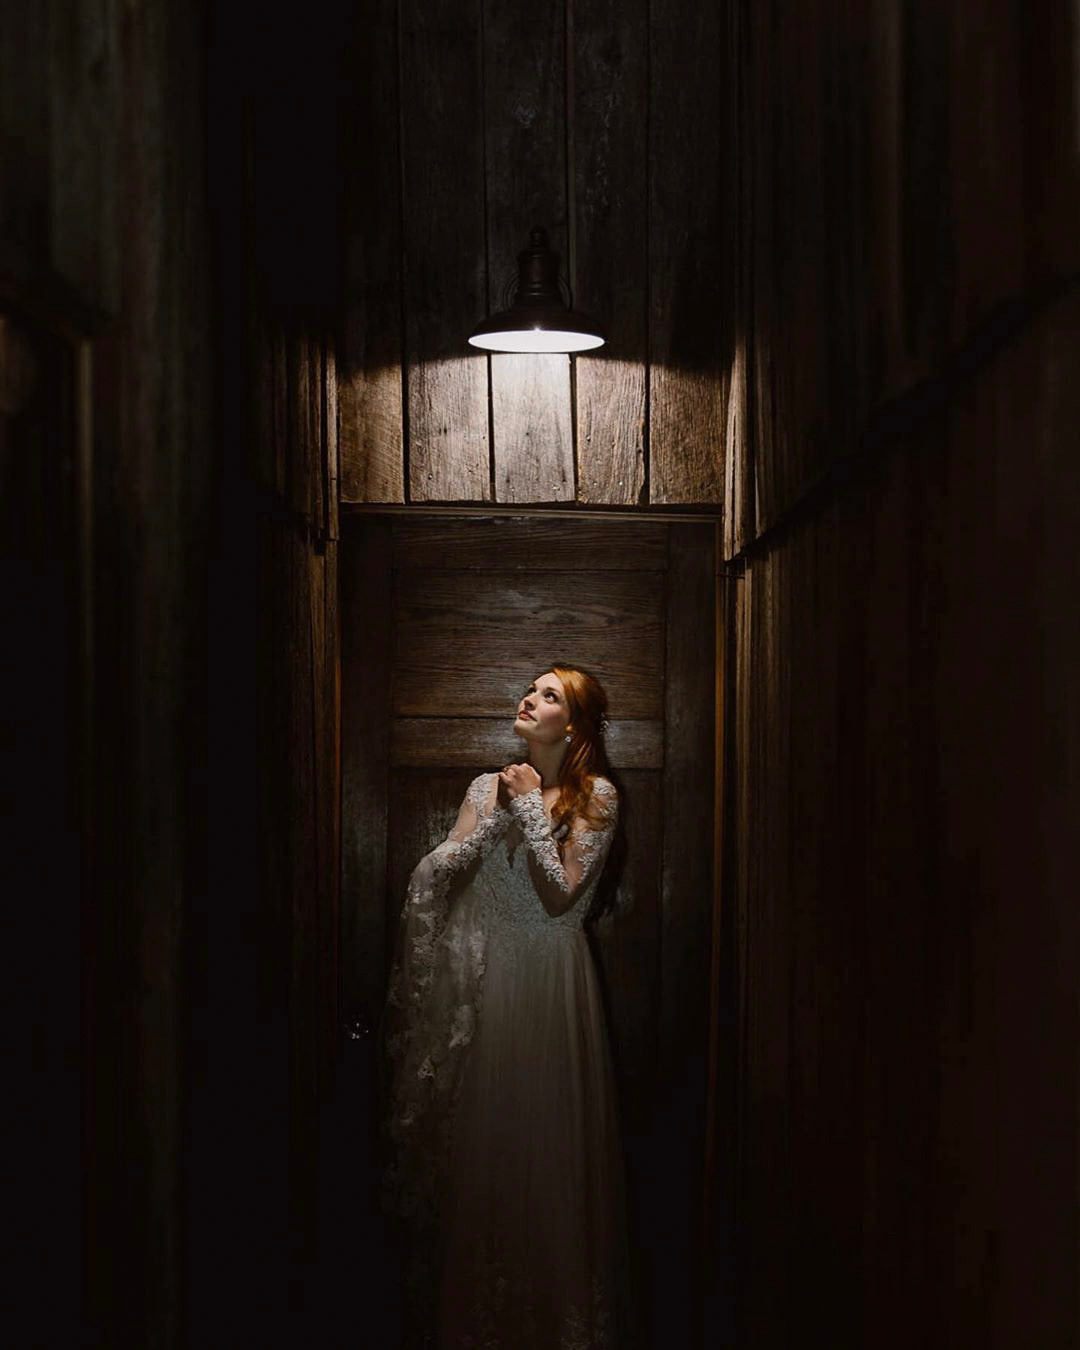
(547,760)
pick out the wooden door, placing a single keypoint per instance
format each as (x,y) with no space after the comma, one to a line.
(444,622)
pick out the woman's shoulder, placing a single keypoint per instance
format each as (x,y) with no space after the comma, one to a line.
(604,797)
(479,790)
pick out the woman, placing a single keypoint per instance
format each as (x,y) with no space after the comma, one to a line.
(502,1104)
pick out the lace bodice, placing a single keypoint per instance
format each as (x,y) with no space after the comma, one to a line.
(524,840)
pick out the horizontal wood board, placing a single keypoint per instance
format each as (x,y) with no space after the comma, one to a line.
(458,741)
(454,656)
(531,543)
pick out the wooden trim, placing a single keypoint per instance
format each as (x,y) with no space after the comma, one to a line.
(568,510)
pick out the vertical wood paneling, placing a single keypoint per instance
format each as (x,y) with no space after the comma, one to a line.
(83,125)
(366,674)
(691,246)
(986,118)
(525,158)
(330,524)
(443,227)
(608,108)
(686,918)
(25,189)
(275,335)
(901,656)
(530,418)
(626,946)
(886,356)
(739,480)
(372,419)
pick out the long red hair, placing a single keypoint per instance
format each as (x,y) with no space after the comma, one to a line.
(586,756)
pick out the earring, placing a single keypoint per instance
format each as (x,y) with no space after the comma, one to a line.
(569,738)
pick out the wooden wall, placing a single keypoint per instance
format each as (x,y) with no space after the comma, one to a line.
(104,253)
(443,623)
(286,263)
(904,784)
(611,125)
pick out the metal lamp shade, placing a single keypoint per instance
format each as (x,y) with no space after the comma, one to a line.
(538,320)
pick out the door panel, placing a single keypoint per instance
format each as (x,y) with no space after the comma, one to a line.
(445,622)
(467,643)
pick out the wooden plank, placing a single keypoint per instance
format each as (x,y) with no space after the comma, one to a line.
(460,742)
(315,455)
(531,423)
(743,783)
(625,945)
(372,419)
(83,122)
(689,700)
(302,899)
(443,227)
(925,226)
(262,457)
(27,184)
(365,706)
(331,433)
(530,543)
(525,159)
(898,1033)
(467,644)
(280,418)
(718,1212)
(739,481)
(686,914)
(326,739)
(985,149)
(690,238)
(608,112)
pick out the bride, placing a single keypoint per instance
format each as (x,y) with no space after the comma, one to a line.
(500,1106)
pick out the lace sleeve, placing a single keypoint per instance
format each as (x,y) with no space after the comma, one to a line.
(480,822)
(585,849)
(433,1001)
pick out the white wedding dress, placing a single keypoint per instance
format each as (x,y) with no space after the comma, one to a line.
(501,1104)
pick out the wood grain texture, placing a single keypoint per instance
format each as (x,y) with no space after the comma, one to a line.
(691,242)
(443,226)
(530,543)
(277,338)
(740,491)
(332,442)
(686,914)
(25,70)
(365,712)
(626,945)
(463,741)
(84,93)
(525,166)
(530,417)
(902,779)
(608,103)
(467,644)
(372,418)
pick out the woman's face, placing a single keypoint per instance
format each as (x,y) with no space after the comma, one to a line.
(543,712)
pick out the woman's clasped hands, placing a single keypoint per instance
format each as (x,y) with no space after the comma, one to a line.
(516,780)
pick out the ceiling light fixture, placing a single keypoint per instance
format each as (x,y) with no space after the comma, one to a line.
(539,320)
